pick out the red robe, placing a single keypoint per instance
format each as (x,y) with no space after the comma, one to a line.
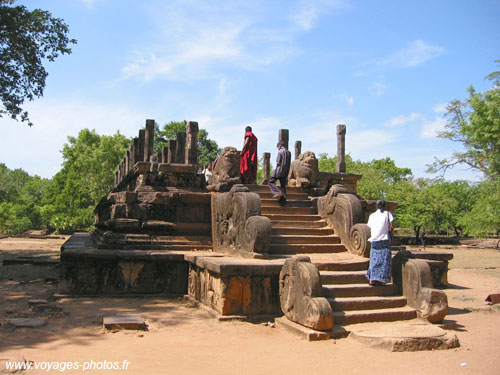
(248,161)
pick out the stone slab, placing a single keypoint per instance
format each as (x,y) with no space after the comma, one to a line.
(310,334)
(27,322)
(124,321)
(411,336)
(226,266)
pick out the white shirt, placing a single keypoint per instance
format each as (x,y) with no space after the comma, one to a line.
(379,225)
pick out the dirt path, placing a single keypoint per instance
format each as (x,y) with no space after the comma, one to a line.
(184,339)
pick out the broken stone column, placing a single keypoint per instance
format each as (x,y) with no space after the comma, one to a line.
(172,149)
(127,162)
(180,152)
(283,137)
(298,149)
(140,143)
(164,154)
(133,152)
(191,143)
(149,139)
(341,129)
(266,175)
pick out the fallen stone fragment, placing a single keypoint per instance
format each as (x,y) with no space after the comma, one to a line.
(27,322)
(407,337)
(124,321)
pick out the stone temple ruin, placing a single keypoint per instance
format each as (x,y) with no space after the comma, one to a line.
(233,249)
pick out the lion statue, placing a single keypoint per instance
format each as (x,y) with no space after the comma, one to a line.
(304,172)
(226,170)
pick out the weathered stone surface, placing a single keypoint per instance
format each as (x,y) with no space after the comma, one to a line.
(192,143)
(266,167)
(399,337)
(345,213)
(304,172)
(180,150)
(237,227)
(149,139)
(126,197)
(301,294)
(226,170)
(341,130)
(124,321)
(283,137)
(431,304)
(298,149)
(253,294)
(27,322)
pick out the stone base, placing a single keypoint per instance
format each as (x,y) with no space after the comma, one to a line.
(245,289)
(85,270)
(406,337)
(310,334)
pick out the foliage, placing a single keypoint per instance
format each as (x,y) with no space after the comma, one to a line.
(475,123)
(20,197)
(90,161)
(27,38)
(208,150)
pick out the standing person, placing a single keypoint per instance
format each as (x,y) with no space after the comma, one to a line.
(380,223)
(280,173)
(248,161)
(423,238)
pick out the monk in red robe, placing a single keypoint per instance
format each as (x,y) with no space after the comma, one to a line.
(248,160)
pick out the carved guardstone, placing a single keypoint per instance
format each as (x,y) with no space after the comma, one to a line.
(300,294)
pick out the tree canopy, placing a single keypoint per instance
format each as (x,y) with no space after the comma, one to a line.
(475,123)
(27,39)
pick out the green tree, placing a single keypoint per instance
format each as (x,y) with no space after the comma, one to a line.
(484,215)
(475,123)
(27,39)
(20,199)
(208,150)
(87,175)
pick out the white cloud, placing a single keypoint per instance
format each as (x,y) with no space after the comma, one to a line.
(377,89)
(431,129)
(346,98)
(309,11)
(414,54)
(402,120)
(440,108)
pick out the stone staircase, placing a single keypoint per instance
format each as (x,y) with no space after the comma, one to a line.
(298,229)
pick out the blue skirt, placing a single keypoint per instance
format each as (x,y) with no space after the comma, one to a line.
(380,268)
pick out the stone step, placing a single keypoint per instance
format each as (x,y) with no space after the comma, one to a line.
(289,203)
(290,217)
(369,316)
(162,247)
(302,231)
(358,290)
(298,224)
(145,238)
(353,265)
(343,277)
(295,211)
(304,239)
(289,196)
(366,303)
(305,248)
(265,189)
(194,228)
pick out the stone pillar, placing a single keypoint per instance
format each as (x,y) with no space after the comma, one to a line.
(127,162)
(172,149)
(124,167)
(283,137)
(180,152)
(164,155)
(133,152)
(341,129)
(266,166)
(298,149)
(149,139)
(192,143)
(140,149)
(116,178)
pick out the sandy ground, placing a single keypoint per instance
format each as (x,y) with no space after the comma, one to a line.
(184,339)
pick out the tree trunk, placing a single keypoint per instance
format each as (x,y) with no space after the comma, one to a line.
(416,230)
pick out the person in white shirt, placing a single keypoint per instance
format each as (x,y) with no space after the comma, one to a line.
(380,223)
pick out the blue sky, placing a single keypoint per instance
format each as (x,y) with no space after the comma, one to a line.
(386,69)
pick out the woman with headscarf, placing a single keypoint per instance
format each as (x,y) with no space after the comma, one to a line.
(381,225)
